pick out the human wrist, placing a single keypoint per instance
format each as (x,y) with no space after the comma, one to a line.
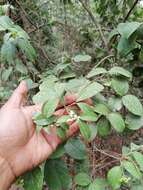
(6,175)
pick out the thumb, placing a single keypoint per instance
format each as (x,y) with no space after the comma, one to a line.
(18,97)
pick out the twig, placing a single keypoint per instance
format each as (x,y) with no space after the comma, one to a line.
(102,60)
(25,13)
(95,22)
(130,11)
(105,153)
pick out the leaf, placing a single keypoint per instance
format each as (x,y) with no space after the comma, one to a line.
(56,175)
(61,133)
(75,84)
(8,52)
(135,147)
(116,121)
(98,184)
(42,121)
(115,103)
(134,122)
(82,179)
(82,58)
(133,104)
(6,74)
(96,71)
(76,149)
(84,129)
(88,112)
(26,48)
(132,169)
(89,91)
(125,46)
(49,107)
(101,109)
(119,71)
(63,119)
(128,28)
(93,131)
(139,159)
(112,34)
(120,86)
(59,152)
(103,127)
(114,177)
(33,179)
(5,23)
(20,67)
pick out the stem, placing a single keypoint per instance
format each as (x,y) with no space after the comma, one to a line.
(102,60)
(95,22)
(105,153)
(130,11)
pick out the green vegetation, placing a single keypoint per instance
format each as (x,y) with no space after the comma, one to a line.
(94,50)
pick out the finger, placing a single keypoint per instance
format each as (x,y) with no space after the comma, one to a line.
(60,112)
(68,99)
(31,110)
(19,95)
(54,140)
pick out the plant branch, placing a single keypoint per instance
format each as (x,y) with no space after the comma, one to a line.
(95,22)
(130,11)
(105,153)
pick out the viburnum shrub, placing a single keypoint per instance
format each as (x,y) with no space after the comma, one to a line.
(111,108)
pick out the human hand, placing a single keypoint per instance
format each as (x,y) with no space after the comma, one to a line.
(21,147)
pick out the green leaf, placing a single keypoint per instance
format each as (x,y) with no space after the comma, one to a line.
(49,107)
(103,127)
(5,23)
(112,34)
(89,91)
(93,131)
(75,84)
(41,120)
(101,109)
(128,28)
(114,177)
(120,86)
(49,89)
(98,184)
(135,147)
(132,169)
(134,122)
(26,48)
(120,71)
(56,175)
(82,179)
(59,152)
(139,159)
(116,121)
(82,58)
(63,119)
(84,130)
(61,133)
(76,149)
(20,67)
(6,74)
(133,104)
(8,52)
(115,103)
(88,112)
(96,71)
(33,179)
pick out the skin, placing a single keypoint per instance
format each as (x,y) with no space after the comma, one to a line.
(21,147)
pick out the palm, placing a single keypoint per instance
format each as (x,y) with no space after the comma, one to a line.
(20,145)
